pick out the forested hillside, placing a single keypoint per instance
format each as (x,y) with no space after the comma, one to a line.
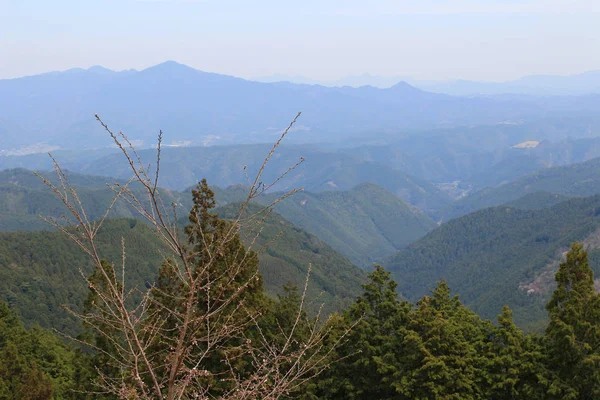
(24,198)
(41,271)
(501,255)
(366,223)
(36,364)
(321,171)
(572,180)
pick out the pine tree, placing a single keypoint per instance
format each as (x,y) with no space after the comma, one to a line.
(573,333)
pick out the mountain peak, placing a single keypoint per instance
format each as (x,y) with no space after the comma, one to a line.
(98,69)
(405,88)
(170,67)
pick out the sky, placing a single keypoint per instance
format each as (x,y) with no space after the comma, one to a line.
(493,40)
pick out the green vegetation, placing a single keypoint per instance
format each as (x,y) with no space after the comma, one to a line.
(499,256)
(40,271)
(439,349)
(24,198)
(333,277)
(537,200)
(390,348)
(35,364)
(366,223)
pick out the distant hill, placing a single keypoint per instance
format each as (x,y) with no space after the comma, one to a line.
(366,223)
(484,156)
(322,171)
(501,255)
(581,179)
(201,107)
(584,83)
(537,201)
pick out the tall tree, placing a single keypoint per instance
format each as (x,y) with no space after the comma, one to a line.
(370,355)
(225,281)
(573,333)
(444,355)
(515,362)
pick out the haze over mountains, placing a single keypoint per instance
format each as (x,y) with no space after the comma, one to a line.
(396,175)
(533,85)
(194,107)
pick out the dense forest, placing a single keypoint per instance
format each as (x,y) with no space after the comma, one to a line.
(395,349)
(364,224)
(576,180)
(41,271)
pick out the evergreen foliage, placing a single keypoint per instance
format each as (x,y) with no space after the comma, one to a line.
(36,365)
(40,271)
(439,349)
(573,333)
(435,348)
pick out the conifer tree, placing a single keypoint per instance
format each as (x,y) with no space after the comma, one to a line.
(573,333)
(228,281)
(443,350)
(370,355)
(515,362)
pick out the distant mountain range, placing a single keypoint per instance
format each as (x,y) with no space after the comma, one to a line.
(224,166)
(195,107)
(535,85)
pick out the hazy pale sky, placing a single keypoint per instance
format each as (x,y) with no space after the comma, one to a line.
(319,39)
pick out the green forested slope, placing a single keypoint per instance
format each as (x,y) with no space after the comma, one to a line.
(573,180)
(35,364)
(537,200)
(366,223)
(26,178)
(494,256)
(40,271)
(288,257)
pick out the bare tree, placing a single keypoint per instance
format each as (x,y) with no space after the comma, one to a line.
(163,342)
